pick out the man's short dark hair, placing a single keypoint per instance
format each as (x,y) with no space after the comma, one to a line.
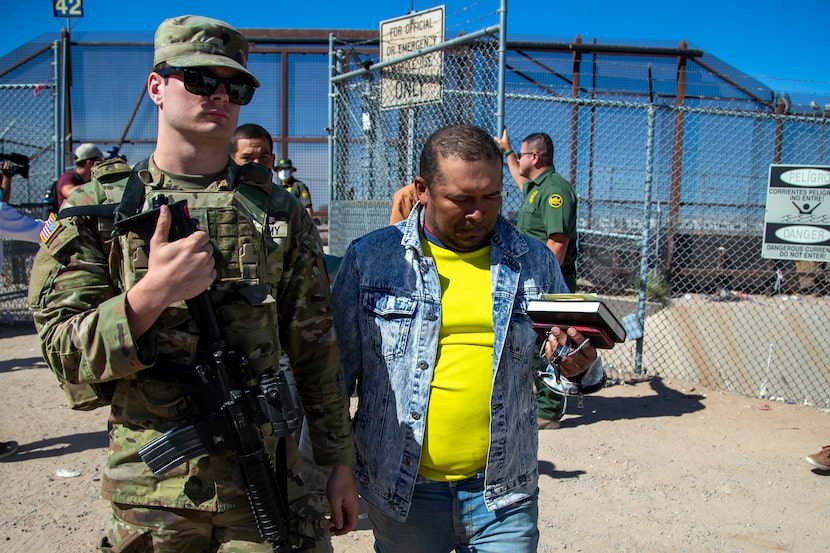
(249,131)
(541,143)
(466,142)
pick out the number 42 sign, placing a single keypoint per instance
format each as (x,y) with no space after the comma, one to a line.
(68,8)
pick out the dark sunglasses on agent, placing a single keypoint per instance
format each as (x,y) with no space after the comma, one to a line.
(200,81)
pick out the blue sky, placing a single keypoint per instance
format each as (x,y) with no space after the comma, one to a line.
(782,44)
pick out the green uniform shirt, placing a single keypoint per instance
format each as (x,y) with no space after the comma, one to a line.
(299,190)
(272,296)
(550,207)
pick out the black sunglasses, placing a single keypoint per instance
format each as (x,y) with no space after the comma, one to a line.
(200,81)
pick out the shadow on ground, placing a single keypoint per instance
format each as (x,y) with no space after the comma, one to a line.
(22,363)
(546,468)
(58,446)
(663,402)
(15,331)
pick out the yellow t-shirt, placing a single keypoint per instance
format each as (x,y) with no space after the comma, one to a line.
(458,418)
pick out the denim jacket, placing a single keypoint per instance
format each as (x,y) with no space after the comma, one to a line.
(387,314)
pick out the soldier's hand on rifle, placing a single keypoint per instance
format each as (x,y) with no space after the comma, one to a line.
(178,270)
(184,267)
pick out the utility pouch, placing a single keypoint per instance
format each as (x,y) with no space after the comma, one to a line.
(87,397)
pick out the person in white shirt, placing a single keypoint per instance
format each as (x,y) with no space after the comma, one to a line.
(13,226)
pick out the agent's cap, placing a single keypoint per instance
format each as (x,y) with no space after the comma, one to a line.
(285,163)
(87,151)
(196,41)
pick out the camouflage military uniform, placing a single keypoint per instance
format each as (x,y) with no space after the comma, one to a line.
(271,295)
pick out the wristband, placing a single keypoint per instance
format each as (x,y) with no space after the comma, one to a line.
(508,152)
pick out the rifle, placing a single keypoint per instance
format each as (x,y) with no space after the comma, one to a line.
(237,406)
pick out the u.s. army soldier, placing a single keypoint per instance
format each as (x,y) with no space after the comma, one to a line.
(112,316)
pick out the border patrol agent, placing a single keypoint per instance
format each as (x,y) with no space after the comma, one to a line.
(548,214)
(285,171)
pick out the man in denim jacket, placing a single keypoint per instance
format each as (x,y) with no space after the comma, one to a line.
(431,317)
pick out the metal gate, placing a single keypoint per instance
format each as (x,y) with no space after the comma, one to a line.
(374,151)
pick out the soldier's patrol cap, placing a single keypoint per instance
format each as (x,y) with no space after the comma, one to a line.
(197,41)
(285,163)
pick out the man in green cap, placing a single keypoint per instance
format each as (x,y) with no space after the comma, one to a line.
(110,310)
(285,172)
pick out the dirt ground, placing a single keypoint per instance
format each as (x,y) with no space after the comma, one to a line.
(651,465)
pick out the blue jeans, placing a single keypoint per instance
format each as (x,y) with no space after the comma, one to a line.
(452,515)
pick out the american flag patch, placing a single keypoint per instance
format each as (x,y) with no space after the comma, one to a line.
(52,224)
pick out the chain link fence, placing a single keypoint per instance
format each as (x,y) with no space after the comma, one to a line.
(732,319)
(671,222)
(376,150)
(28,129)
(671,216)
(671,196)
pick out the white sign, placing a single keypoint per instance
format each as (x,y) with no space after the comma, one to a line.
(797,219)
(417,80)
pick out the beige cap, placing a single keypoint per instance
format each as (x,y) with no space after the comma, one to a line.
(87,151)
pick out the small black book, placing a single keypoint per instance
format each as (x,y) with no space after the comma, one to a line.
(586,312)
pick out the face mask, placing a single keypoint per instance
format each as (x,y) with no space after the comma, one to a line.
(283,174)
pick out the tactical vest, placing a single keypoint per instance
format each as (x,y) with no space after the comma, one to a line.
(242,299)
(237,223)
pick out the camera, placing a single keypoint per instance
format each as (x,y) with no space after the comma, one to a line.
(20,165)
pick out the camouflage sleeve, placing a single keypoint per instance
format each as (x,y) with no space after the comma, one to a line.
(307,337)
(78,307)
